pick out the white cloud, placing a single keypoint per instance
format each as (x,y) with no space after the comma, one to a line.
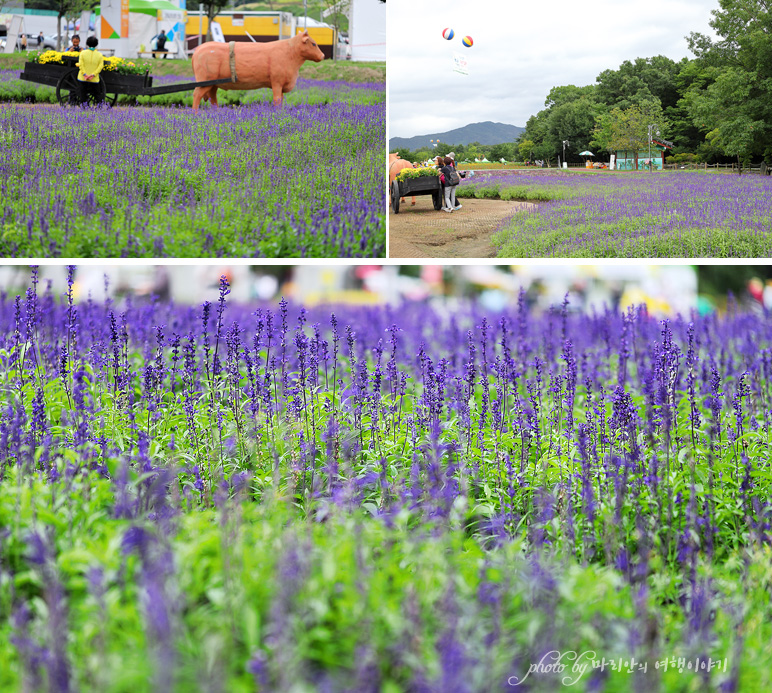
(521,50)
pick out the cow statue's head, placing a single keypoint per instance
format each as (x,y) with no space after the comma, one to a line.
(308,48)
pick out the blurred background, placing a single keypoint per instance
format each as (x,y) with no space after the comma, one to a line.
(665,289)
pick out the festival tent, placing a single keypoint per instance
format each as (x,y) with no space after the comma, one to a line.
(367,30)
(301,22)
(147,18)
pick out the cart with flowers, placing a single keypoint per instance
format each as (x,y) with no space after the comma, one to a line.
(416,181)
(119,76)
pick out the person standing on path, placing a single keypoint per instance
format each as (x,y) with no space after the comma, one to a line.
(90,64)
(460,174)
(447,171)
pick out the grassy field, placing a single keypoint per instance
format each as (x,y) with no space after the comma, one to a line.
(14,90)
(621,214)
(328,69)
(492,165)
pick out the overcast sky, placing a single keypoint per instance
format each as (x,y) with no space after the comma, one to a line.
(521,50)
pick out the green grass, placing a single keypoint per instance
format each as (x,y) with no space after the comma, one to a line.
(19,91)
(27,92)
(521,193)
(327,69)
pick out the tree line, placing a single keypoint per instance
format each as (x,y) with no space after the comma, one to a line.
(714,108)
(470,152)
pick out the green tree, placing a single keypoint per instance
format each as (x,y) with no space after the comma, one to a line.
(536,131)
(718,280)
(443,149)
(572,121)
(501,151)
(657,79)
(559,96)
(645,79)
(473,151)
(212,9)
(628,129)
(421,154)
(731,100)
(570,114)
(525,148)
(65,9)
(686,135)
(334,12)
(722,110)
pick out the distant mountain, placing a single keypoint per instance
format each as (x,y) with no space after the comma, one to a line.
(484,133)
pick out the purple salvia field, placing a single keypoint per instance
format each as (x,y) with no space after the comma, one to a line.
(241,497)
(613,214)
(246,181)
(9,76)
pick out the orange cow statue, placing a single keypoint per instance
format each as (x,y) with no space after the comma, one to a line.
(395,166)
(252,66)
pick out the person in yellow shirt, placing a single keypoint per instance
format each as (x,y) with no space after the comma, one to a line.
(90,64)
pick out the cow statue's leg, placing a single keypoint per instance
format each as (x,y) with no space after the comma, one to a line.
(198,94)
(278,95)
(204,94)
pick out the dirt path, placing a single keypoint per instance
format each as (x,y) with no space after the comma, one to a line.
(421,232)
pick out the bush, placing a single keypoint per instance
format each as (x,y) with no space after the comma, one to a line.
(683,158)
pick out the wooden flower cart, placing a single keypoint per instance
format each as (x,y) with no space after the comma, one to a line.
(425,185)
(64,78)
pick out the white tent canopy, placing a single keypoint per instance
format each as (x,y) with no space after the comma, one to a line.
(310,22)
